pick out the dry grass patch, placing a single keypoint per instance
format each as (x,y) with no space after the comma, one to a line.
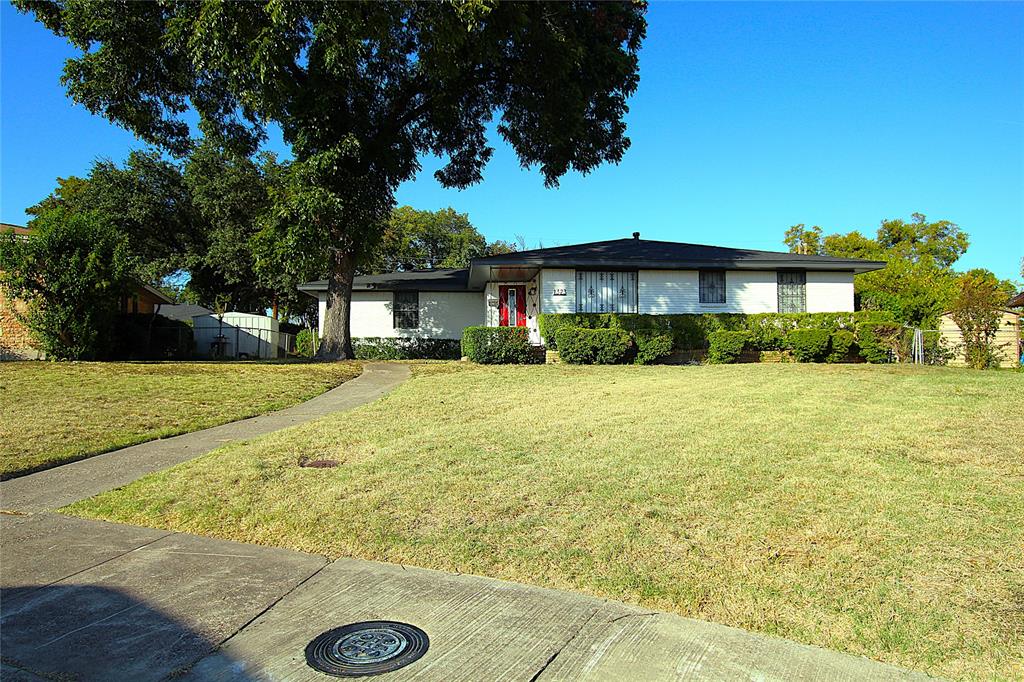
(876,510)
(54,413)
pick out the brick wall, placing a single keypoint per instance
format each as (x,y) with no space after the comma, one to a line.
(15,340)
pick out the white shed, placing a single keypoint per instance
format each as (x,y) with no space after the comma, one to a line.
(237,335)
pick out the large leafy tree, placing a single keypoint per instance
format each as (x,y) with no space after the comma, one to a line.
(426,239)
(146,200)
(194,221)
(231,194)
(71,271)
(360,89)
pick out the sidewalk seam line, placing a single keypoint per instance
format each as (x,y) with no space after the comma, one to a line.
(572,638)
(105,561)
(185,668)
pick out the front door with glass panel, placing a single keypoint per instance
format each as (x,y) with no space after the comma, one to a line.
(512,305)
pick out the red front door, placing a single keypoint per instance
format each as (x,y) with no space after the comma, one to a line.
(512,305)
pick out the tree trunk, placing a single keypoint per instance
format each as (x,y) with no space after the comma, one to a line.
(336,343)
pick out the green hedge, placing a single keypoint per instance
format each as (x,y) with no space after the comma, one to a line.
(581,346)
(840,345)
(809,345)
(879,342)
(378,348)
(500,346)
(724,347)
(306,342)
(651,346)
(768,331)
(140,336)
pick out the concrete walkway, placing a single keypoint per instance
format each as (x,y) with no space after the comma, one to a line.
(69,483)
(90,600)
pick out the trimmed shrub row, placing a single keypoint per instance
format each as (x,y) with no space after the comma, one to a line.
(580,346)
(725,347)
(812,337)
(500,345)
(768,331)
(377,348)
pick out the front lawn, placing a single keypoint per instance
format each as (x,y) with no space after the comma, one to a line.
(54,413)
(877,510)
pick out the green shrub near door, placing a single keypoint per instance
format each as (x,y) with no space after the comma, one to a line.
(500,346)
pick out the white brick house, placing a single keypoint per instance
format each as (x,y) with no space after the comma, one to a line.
(621,275)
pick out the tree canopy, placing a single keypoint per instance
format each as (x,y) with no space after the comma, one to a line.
(414,239)
(196,219)
(359,90)
(71,272)
(918,283)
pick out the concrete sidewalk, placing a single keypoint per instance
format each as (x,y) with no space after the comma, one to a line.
(69,483)
(485,629)
(90,600)
(98,601)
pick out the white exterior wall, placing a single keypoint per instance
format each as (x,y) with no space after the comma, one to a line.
(829,292)
(443,314)
(674,292)
(553,283)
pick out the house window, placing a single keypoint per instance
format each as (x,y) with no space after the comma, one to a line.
(606,292)
(792,292)
(712,286)
(407,309)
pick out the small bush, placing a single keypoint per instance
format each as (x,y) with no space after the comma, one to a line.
(499,346)
(651,346)
(839,345)
(306,343)
(579,346)
(724,347)
(879,342)
(380,348)
(809,345)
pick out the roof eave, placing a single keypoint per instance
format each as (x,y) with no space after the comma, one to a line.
(857,266)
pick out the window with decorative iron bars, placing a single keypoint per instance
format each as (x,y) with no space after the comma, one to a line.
(712,286)
(792,292)
(406,307)
(606,292)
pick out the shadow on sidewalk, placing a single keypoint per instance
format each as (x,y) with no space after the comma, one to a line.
(86,632)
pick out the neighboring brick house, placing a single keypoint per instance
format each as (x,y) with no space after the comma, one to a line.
(15,340)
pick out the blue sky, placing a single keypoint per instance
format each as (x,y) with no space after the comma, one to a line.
(749,118)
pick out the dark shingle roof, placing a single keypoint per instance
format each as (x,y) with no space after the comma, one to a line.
(422,280)
(657,254)
(632,253)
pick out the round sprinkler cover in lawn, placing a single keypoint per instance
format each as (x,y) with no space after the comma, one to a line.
(369,648)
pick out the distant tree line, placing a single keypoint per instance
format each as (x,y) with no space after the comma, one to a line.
(919,282)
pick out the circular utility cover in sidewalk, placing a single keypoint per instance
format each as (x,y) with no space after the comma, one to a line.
(369,648)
